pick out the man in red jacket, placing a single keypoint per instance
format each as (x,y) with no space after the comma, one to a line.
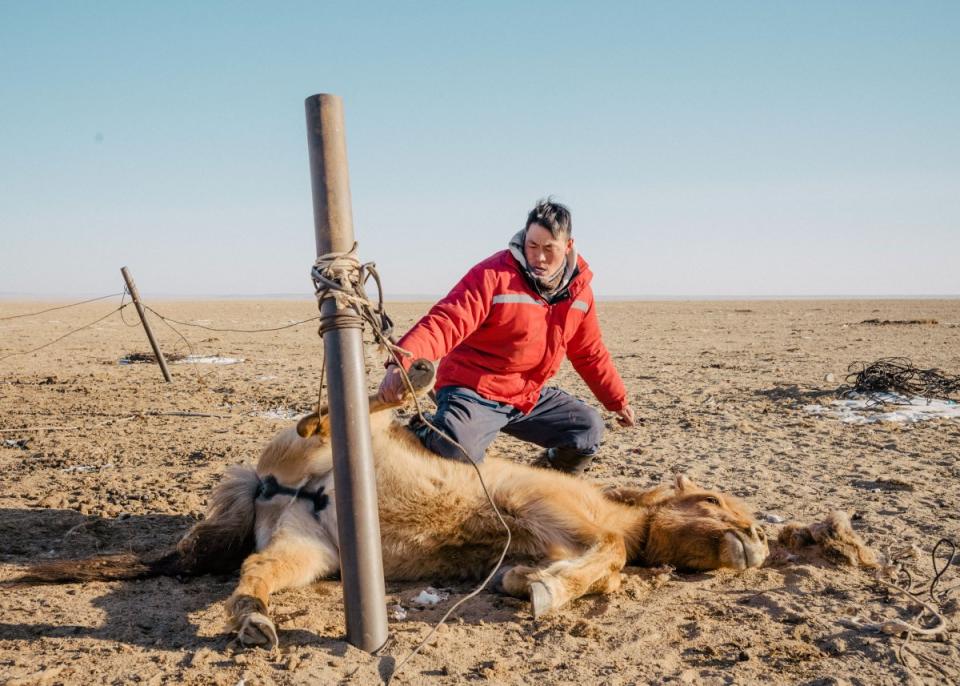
(501,334)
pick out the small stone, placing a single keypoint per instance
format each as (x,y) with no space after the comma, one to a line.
(54,501)
(743,656)
(835,646)
(830,378)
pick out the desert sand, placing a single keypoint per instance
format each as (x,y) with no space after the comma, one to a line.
(99,456)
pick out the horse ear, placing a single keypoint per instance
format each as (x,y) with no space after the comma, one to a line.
(682,483)
(634,497)
(313,424)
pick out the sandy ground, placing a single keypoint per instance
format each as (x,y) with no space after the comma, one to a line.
(103,465)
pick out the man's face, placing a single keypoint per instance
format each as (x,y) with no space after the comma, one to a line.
(545,254)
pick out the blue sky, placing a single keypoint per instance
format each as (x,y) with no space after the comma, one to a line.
(740,148)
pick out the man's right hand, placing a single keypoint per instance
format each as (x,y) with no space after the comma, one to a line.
(626,417)
(392,387)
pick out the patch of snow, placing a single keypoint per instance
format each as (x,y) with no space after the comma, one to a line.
(209,359)
(886,407)
(84,468)
(430,596)
(279,413)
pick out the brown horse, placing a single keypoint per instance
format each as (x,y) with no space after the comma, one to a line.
(569,537)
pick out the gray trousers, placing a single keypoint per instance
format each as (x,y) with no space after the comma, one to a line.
(558,421)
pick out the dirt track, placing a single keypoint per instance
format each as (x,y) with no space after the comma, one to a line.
(720,387)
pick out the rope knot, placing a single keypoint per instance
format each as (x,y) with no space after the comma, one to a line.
(341,276)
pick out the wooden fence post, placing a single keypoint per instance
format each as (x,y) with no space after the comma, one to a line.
(135,296)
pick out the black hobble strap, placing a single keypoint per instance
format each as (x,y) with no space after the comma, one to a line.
(270,487)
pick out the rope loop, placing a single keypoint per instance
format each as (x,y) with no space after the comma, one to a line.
(341,277)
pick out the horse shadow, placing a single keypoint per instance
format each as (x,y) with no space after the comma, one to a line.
(150,613)
(153,613)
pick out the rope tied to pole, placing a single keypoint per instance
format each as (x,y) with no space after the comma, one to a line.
(341,277)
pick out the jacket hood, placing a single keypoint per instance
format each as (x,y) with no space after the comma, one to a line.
(570,268)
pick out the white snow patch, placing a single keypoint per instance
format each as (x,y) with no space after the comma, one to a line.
(430,596)
(84,468)
(209,359)
(868,409)
(279,413)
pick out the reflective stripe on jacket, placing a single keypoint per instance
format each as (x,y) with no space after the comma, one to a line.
(496,335)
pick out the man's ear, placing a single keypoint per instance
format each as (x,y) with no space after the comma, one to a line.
(569,246)
(313,424)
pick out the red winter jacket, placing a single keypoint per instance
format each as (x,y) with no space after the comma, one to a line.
(496,335)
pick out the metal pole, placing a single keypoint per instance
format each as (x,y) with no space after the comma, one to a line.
(135,295)
(361,562)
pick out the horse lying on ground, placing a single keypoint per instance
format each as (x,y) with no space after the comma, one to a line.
(569,537)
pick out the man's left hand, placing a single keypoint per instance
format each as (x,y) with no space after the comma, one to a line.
(626,417)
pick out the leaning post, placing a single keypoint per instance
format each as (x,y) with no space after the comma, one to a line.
(135,296)
(361,562)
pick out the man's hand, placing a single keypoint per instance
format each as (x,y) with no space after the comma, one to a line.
(392,388)
(625,417)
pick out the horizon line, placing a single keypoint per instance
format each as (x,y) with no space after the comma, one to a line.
(426,297)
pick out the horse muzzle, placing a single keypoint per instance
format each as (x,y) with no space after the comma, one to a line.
(745,548)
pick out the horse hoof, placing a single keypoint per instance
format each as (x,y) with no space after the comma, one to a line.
(496,583)
(541,598)
(258,630)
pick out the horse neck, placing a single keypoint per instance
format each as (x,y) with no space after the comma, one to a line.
(635,524)
(292,459)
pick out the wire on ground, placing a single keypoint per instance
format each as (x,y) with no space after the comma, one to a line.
(69,333)
(210,328)
(61,307)
(899,375)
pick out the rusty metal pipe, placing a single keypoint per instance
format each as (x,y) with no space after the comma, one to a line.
(361,562)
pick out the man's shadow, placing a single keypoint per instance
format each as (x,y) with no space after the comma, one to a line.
(149,612)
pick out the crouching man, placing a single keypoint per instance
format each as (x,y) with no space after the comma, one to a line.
(501,334)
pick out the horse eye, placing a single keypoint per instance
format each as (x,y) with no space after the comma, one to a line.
(712,499)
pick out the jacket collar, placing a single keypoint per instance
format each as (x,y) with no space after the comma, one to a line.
(576,274)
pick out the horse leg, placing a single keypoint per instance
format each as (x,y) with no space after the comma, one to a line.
(551,586)
(286,562)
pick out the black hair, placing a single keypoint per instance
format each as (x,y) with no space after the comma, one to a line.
(552,216)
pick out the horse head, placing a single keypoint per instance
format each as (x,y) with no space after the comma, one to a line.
(690,527)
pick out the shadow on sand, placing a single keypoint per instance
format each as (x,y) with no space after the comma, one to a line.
(148,612)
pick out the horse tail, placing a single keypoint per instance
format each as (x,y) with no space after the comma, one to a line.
(217,544)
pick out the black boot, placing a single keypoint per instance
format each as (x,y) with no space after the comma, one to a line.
(417,425)
(568,460)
